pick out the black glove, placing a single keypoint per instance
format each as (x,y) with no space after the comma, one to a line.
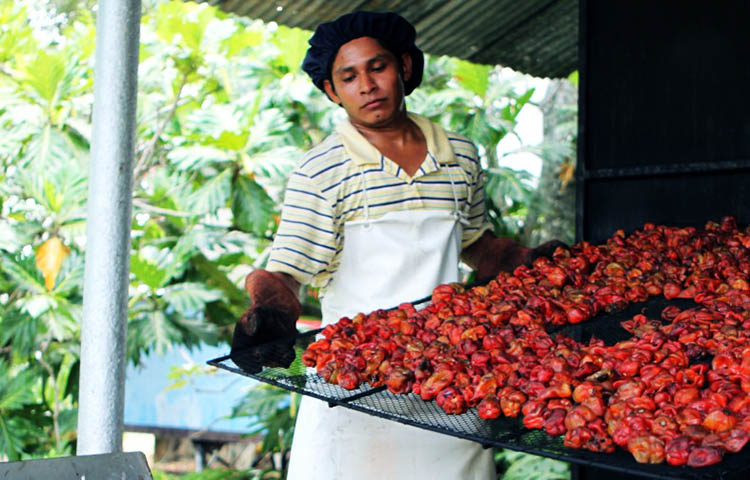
(265,334)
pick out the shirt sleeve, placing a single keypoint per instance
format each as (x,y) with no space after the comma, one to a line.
(305,242)
(476,210)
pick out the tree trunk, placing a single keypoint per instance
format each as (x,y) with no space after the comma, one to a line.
(552,214)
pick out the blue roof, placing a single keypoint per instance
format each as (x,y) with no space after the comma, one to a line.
(201,404)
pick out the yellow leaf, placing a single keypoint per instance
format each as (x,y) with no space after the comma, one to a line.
(49,259)
(567,172)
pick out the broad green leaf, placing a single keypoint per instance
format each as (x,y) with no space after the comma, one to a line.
(21,329)
(36,305)
(268,129)
(158,331)
(524,466)
(18,36)
(43,75)
(472,76)
(511,111)
(49,259)
(261,401)
(196,331)
(53,198)
(212,195)
(13,431)
(292,45)
(215,278)
(153,230)
(11,239)
(180,254)
(63,320)
(147,271)
(70,276)
(242,40)
(252,208)
(189,298)
(197,156)
(48,149)
(15,387)
(64,370)
(83,34)
(23,271)
(184,23)
(232,140)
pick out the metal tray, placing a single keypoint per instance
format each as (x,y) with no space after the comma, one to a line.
(502,432)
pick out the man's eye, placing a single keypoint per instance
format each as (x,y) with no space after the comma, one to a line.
(378,68)
(347,79)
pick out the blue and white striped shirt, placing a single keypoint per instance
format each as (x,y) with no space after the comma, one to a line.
(326,190)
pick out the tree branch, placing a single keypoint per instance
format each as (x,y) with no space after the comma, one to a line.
(148,152)
(162,211)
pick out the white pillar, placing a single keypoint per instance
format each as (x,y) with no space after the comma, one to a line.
(105,288)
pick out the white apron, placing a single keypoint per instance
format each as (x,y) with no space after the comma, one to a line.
(399,257)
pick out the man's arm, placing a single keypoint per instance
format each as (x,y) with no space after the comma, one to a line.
(490,255)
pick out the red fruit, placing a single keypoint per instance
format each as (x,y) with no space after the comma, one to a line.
(671,291)
(556,276)
(704,456)
(555,423)
(489,408)
(678,450)
(719,421)
(647,449)
(575,315)
(399,380)
(437,381)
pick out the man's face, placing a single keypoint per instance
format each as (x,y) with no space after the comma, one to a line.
(368,82)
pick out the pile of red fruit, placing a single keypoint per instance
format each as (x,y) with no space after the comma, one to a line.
(677,390)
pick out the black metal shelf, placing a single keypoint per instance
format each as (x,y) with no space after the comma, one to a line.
(665,169)
(506,433)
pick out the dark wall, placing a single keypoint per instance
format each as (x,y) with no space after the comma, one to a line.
(664,114)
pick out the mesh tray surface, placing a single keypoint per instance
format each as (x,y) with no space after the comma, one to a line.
(502,432)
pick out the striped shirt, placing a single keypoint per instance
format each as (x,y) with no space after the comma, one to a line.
(336,178)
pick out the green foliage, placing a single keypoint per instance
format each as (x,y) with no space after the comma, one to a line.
(482,103)
(224,113)
(523,466)
(273,412)
(252,207)
(221,474)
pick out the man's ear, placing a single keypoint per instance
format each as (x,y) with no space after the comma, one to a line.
(405,66)
(331,92)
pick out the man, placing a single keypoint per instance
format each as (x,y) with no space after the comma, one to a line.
(377,214)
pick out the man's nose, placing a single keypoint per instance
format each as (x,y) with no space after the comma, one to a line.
(366,84)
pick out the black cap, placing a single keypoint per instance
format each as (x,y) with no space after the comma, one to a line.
(393,32)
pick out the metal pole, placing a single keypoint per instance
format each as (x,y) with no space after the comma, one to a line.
(105,286)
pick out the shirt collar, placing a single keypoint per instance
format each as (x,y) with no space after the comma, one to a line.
(363,152)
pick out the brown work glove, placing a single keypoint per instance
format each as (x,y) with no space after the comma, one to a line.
(265,333)
(491,255)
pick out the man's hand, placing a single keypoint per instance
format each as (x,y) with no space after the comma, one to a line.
(271,319)
(491,255)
